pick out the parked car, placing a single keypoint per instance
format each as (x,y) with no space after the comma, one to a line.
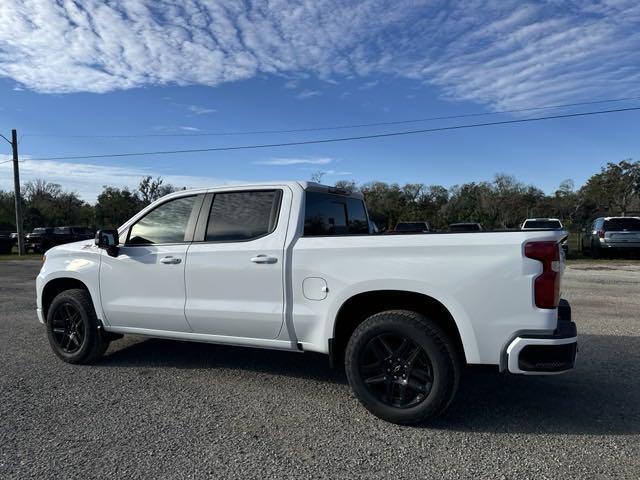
(411,227)
(465,227)
(292,266)
(43,238)
(547,224)
(608,234)
(6,242)
(39,239)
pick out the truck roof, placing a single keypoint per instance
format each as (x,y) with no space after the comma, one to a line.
(305,185)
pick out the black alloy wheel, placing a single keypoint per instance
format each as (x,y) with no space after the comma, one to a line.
(74,331)
(68,329)
(402,366)
(396,370)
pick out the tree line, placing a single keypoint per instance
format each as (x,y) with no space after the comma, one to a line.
(501,203)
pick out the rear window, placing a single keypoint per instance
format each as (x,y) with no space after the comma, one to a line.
(411,226)
(629,224)
(329,214)
(550,224)
(465,227)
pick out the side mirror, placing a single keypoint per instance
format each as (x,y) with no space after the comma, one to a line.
(108,240)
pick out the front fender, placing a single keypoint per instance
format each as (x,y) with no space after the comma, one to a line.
(82,265)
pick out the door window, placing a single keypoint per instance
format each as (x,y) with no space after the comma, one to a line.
(166,223)
(238,216)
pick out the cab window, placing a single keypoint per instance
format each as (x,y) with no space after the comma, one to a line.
(241,216)
(331,214)
(166,223)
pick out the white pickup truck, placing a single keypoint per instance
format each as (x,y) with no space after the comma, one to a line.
(293,266)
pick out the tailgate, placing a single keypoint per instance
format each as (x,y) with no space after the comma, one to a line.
(623,236)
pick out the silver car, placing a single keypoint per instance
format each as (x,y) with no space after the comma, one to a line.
(611,233)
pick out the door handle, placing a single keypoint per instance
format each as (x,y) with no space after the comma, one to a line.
(170,260)
(264,259)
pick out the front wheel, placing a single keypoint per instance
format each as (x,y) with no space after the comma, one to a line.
(73,329)
(402,367)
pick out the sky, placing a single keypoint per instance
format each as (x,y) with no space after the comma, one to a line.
(81,78)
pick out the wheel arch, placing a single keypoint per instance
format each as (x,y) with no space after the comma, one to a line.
(360,306)
(58,285)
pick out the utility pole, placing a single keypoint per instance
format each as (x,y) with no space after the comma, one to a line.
(16,191)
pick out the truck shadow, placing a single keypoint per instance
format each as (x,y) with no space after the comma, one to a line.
(602,396)
(160,353)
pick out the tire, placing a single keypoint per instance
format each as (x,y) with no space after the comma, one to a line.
(73,330)
(390,379)
(595,250)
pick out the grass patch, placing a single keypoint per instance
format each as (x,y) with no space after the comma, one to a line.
(15,256)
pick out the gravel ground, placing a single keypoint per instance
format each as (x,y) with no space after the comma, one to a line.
(163,409)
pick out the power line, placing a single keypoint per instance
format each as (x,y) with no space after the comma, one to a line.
(335,140)
(336,127)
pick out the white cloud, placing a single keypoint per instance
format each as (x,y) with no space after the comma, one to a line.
(189,129)
(505,54)
(303,95)
(88,179)
(294,161)
(200,110)
(368,85)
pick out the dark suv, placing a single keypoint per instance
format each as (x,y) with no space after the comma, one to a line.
(43,238)
(611,234)
(6,242)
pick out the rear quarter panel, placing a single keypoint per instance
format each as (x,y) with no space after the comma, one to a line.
(483,279)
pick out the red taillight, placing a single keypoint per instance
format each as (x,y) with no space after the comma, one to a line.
(546,285)
(601,233)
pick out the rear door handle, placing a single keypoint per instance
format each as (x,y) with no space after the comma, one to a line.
(170,260)
(264,259)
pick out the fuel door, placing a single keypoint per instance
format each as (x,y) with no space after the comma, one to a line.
(315,288)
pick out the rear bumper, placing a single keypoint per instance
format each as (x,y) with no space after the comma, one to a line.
(532,354)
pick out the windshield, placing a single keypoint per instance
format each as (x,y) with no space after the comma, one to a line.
(548,224)
(629,224)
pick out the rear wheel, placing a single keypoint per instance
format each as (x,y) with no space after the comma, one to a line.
(73,329)
(595,250)
(402,367)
